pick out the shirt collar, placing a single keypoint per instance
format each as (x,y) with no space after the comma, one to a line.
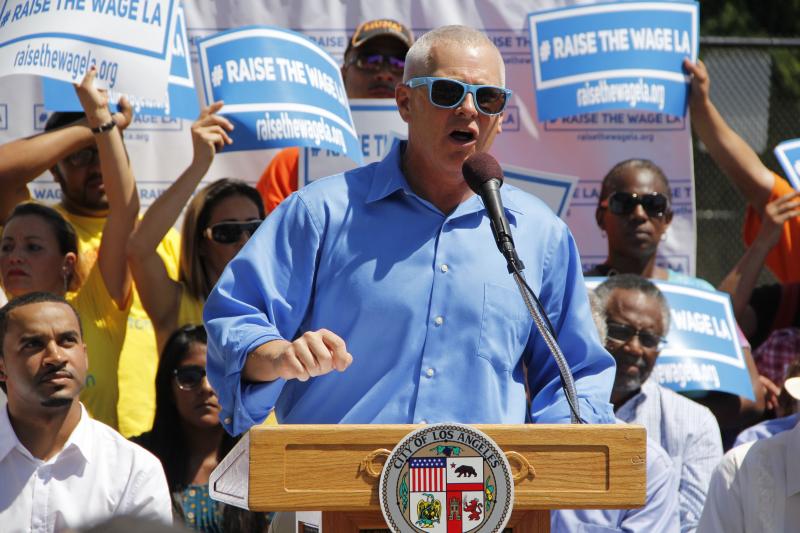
(8,439)
(791,462)
(390,179)
(80,439)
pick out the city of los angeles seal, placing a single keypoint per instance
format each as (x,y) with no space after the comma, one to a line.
(446,478)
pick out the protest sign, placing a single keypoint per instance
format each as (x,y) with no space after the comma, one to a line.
(280,89)
(127,41)
(377,124)
(181,99)
(620,55)
(555,190)
(788,154)
(702,352)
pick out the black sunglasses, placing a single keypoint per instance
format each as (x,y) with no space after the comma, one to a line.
(376,62)
(189,377)
(654,204)
(624,333)
(231,232)
(83,157)
(449,93)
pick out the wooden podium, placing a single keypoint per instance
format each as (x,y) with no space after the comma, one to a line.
(335,469)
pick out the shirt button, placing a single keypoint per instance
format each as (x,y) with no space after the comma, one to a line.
(430,372)
(444,268)
(227,421)
(438,321)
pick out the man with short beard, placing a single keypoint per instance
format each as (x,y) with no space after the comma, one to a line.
(637,320)
(59,468)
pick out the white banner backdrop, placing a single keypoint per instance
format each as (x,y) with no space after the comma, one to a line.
(587,146)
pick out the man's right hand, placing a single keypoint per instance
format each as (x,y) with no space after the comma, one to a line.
(314,353)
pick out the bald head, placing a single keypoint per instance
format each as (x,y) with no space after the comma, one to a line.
(420,60)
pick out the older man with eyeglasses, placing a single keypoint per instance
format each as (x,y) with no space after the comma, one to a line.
(637,320)
(379,295)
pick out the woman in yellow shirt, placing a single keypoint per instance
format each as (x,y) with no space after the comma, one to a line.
(39,252)
(218,221)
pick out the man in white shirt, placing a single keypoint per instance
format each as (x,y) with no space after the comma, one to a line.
(637,319)
(59,468)
(756,487)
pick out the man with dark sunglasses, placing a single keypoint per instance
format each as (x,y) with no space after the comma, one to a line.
(637,320)
(373,66)
(389,274)
(67,148)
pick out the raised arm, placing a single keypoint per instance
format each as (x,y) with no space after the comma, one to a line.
(22,160)
(729,151)
(123,198)
(741,280)
(160,294)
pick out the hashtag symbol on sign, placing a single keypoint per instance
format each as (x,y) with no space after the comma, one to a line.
(544,51)
(216,76)
(4,19)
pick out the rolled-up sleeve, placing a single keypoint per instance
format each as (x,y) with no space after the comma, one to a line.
(262,295)
(566,303)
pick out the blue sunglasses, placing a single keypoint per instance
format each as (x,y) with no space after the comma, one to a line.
(448,93)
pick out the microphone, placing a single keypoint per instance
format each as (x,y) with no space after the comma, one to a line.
(485,177)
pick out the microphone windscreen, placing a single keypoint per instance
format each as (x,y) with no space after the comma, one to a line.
(479,168)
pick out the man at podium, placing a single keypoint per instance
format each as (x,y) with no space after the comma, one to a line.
(378,295)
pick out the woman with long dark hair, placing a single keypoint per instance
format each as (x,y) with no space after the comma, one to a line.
(187,436)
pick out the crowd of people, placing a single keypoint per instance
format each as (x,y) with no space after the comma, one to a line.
(345,301)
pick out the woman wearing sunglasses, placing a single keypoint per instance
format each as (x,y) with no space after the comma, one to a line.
(188,438)
(39,252)
(635,212)
(217,222)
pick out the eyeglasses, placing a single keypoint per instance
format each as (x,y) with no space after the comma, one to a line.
(231,232)
(448,93)
(376,62)
(83,157)
(654,204)
(189,377)
(623,333)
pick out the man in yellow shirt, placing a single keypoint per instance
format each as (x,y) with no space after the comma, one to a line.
(68,150)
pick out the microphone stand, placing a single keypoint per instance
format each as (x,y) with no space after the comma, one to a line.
(545,328)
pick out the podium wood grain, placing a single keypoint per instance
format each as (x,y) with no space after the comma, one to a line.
(317,467)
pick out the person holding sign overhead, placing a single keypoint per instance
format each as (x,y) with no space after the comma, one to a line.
(373,65)
(637,321)
(378,295)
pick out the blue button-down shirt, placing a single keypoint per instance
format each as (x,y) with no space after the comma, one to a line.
(658,515)
(423,299)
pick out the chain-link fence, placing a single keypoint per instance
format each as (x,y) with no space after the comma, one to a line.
(753,86)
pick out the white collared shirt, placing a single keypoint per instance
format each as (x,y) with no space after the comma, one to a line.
(689,434)
(98,474)
(756,488)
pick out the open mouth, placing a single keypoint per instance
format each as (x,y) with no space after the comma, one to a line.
(462,136)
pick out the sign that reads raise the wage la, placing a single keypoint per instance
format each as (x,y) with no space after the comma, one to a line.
(620,55)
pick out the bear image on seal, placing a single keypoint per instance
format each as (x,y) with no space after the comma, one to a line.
(466,470)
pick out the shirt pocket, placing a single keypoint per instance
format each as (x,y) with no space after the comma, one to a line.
(593,528)
(505,326)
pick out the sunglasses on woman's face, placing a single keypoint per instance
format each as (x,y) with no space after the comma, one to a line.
(189,377)
(376,62)
(231,232)
(654,204)
(449,93)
